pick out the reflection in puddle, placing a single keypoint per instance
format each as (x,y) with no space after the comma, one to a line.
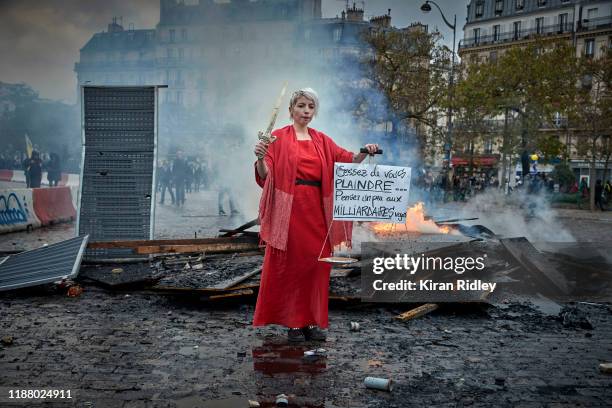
(271,359)
(281,368)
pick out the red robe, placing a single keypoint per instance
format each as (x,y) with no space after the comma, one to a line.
(294,283)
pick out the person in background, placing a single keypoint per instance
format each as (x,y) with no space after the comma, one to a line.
(197,176)
(54,170)
(35,170)
(179,174)
(165,181)
(25,165)
(599,195)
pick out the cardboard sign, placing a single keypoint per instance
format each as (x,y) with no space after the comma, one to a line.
(368,192)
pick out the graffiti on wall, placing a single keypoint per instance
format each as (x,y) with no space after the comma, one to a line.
(12,211)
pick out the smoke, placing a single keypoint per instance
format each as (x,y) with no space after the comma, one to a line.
(522,214)
(243,79)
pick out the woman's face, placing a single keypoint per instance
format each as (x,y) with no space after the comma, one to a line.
(302,111)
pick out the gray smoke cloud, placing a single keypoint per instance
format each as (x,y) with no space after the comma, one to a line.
(41,39)
(521,214)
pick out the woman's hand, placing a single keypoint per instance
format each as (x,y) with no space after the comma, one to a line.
(371,148)
(261,149)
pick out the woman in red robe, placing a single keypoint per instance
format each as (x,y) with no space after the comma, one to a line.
(295,213)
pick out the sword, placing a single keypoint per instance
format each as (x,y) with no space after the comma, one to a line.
(267,136)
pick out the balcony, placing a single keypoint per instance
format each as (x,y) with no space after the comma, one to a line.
(595,23)
(114,65)
(509,36)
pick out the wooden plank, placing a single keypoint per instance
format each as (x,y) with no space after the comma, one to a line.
(244,233)
(455,220)
(344,298)
(605,368)
(418,311)
(202,291)
(231,295)
(160,242)
(222,247)
(241,228)
(237,280)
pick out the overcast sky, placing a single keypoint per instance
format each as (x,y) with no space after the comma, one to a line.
(40,39)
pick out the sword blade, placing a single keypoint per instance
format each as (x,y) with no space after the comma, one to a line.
(276,109)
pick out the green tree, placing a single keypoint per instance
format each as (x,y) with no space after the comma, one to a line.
(471,107)
(410,68)
(591,113)
(526,87)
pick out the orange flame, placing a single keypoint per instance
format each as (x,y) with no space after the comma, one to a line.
(415,222)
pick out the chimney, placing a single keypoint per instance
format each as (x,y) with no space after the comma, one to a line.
(114,27)
(381,21)
(354,13)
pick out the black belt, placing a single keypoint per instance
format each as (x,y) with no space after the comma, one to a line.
(308,182)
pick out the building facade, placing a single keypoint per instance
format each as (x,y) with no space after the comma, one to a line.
(219,60)
(493,26)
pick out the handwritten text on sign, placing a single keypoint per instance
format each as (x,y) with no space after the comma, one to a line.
(371,192)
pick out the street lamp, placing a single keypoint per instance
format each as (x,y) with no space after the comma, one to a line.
(426,8)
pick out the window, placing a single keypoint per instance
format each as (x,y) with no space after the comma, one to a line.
(488,146)
(520,4)
(539,25)
(181,54)
(479,8)
(517,30)
(170,53)
(172,35)
(563,22)
(499,7)
(589,47)
(476,35)
(307,33)
(183,34)
(496,31)
(591,16)
(493,56)
(541,3)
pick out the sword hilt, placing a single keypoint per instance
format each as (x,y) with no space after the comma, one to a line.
(364,150)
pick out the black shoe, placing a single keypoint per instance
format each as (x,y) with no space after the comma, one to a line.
(295,336)
(236,212)
(221,212)
(314,333)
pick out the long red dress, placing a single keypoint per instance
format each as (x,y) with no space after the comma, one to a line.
(294,284)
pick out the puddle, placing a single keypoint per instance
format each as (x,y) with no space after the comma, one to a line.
(280,368)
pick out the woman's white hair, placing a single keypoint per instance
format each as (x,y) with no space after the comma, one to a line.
(307,93)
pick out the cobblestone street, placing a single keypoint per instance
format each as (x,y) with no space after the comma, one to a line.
(142,350)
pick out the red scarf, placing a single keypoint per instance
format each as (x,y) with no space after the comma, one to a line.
(279,186)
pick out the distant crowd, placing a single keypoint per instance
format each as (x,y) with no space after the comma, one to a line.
(462,187)
(34,166)
(181,176)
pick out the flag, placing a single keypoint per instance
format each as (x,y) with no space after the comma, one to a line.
(28,146)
